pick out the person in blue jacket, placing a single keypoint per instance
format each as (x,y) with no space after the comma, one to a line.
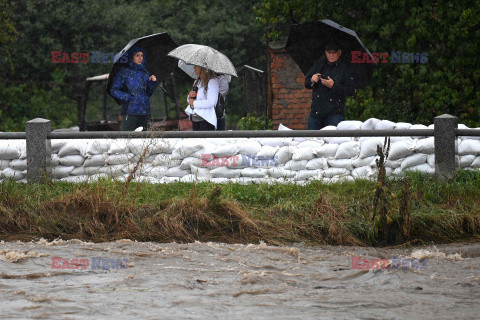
(134,85)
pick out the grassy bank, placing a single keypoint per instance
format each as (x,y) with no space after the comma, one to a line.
(317,213)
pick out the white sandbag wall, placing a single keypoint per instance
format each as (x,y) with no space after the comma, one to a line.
(243,160)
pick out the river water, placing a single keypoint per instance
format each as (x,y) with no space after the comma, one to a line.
(145,280)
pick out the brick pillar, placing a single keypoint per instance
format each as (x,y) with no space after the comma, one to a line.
(290,100)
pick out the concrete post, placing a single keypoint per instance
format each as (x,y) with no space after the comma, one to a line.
(445,146)
(39,151)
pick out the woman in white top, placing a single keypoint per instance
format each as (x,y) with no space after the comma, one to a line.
(201,104)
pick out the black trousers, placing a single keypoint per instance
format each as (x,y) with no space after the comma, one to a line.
(132,122)
(203,126)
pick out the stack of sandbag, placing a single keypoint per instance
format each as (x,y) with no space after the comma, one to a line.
(242,160)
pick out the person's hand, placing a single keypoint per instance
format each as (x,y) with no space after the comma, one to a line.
(153,78)
(192,94)
(328,83)
(315,77)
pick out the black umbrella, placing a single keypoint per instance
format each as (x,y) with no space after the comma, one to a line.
(306,44)
(156,47)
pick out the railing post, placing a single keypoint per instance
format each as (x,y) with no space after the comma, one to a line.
(39,151)
(445,146)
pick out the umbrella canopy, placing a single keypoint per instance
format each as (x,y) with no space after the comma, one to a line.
(156,47)
(205,57)
(306,44)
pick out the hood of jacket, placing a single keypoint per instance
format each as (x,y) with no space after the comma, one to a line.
(131,52)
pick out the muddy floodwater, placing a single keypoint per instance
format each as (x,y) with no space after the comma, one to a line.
(133,280)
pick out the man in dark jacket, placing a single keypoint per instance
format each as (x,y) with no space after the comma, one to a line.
(134,86)
(331,82)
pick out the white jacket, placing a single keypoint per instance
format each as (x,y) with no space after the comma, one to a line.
(204,105)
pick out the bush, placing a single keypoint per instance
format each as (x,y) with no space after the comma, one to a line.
(21,103)
(251,122)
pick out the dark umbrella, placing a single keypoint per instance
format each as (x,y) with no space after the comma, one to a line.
(306,44)
(156,47)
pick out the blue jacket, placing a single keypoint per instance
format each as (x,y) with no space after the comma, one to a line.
(131,85)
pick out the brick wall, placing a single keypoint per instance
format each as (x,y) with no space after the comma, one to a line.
(290,100)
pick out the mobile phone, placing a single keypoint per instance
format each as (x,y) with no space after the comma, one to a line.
(324,77)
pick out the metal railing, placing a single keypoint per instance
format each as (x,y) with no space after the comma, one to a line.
(38,137)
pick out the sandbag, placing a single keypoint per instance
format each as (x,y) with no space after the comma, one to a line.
(401,149)
(278,172)
(96,160)
(9,173)
(56,144)
(254,172)
(476,162)
(185,165)
(118,159)
(157,172)
(426,145)
(266,152)
(281,127)
(176,172)
(369,124)
(402,126)
(466,161)
(417,127)
(75,179)
(274,142)
(308,175)
(368,147)
(224,172)
(348,150)
(333,172)
(431,160)
(9,150)
(390,163)
(4,164)
(200,172)
(227,150)
(98,146)
(118,147)
(350,125)
(296,165)
(251,147)
(72,160)
(384,125)
(163,159)
(413,160)
(327,150)
(55,161)
(303,154)
(283,155)
(361,162)
(312,144)
(341,163)
(59,172)
(18,164)
(185,148)
(422,168)
(469,146)
(363,172)
(317,163)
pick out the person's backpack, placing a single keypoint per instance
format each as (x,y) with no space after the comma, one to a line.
(220,106)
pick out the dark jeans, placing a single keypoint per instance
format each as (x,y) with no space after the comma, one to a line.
(221,124)
(203,126)
(132,122)
(318,122)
